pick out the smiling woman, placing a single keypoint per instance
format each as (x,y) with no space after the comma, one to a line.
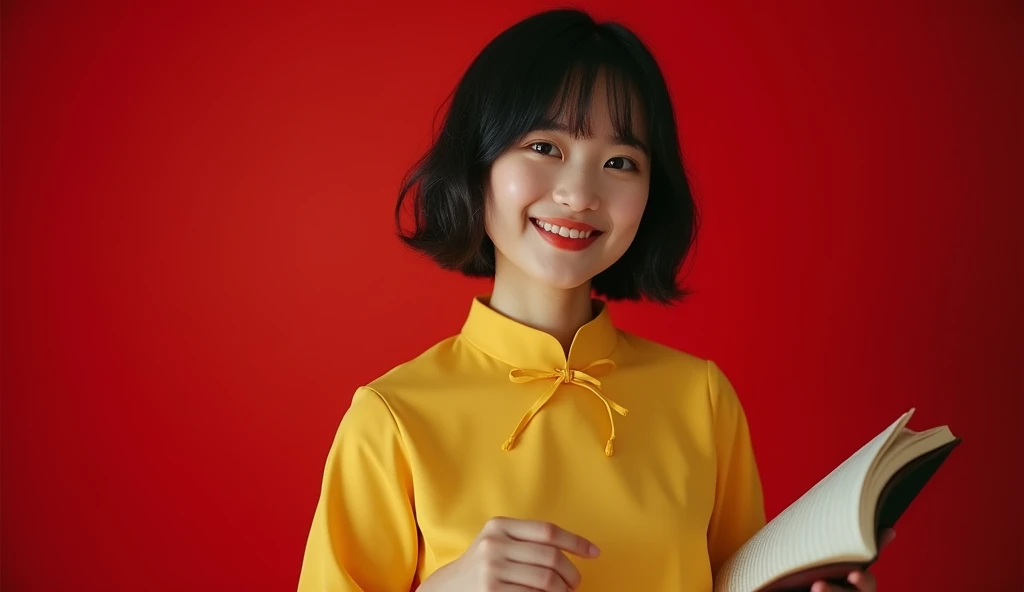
(585,196)
(559,106)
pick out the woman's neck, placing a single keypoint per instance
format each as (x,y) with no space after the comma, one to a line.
(557,311)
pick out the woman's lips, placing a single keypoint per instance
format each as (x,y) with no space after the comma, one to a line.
(566,234)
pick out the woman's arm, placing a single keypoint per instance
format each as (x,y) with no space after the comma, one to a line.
(739,501)
(364,534)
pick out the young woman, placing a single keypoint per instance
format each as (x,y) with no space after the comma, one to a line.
(542,448)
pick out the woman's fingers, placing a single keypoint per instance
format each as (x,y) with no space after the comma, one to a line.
(862,581)
(545,556)
(544,533)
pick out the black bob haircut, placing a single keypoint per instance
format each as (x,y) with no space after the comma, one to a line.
(550,62)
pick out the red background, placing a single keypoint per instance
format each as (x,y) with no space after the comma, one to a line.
(199,265)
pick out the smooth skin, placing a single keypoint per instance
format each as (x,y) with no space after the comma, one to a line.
(594,180)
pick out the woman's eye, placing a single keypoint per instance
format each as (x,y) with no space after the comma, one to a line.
(620,162)
(545,148)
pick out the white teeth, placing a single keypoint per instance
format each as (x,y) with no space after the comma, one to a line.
(566,232)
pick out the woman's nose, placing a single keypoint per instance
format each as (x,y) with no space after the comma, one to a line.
(577,191)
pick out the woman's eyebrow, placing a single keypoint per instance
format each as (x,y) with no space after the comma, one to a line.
(632,143)
(561,127)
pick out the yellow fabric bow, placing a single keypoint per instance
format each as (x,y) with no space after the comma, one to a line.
(583,378)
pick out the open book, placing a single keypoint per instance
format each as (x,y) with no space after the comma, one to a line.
(834,527)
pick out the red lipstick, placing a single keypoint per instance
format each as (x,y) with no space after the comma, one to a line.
(553,230)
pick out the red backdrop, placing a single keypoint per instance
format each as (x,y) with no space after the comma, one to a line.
(199,265)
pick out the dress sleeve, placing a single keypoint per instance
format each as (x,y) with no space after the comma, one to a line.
(364,534)
(739,501)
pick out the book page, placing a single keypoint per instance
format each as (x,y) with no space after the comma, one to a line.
(907,446)
(822,526)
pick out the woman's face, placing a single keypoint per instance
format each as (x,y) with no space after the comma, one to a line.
(564,209)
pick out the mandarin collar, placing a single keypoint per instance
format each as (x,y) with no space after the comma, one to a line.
(522,346)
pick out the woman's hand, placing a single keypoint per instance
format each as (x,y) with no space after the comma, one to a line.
(514,555)
(862,581)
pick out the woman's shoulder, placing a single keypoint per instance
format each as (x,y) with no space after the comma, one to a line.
(677,365)
(644,350)
(439,367)
(422,365)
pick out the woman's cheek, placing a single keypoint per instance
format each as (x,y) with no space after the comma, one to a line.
(628,207)
(515,186)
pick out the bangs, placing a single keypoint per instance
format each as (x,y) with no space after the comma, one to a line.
(553,88)
(570,108)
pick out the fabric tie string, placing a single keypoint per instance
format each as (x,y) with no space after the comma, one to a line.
(584,378)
